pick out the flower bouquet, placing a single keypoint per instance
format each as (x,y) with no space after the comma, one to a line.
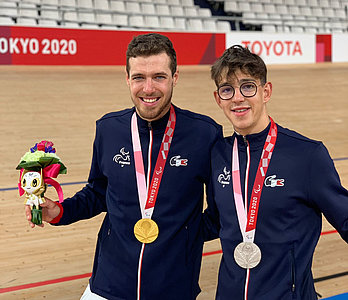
(37,168)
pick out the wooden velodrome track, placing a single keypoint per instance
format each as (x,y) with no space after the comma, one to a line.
(62,103)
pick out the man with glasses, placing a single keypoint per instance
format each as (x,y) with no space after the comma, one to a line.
(269,186)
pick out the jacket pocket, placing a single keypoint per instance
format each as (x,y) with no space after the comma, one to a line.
(104,233)
(293,273)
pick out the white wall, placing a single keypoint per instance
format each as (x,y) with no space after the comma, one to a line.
(277,48)
(340,47)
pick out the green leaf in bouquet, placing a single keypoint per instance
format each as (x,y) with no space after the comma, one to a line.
(30,165)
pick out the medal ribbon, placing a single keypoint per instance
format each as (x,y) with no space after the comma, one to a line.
(147,197)
(247,224)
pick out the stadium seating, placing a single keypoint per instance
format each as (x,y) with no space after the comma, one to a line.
(111,14)
(313,16)
(268,15)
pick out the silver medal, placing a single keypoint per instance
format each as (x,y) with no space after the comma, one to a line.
(247,255)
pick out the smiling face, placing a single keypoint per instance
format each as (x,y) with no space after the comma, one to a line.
(151,84)
(248,115)
(31,181)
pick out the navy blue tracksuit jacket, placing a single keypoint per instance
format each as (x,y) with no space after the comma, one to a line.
(301,183)
(171,264)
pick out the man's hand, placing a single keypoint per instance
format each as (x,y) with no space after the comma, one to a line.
(50,210)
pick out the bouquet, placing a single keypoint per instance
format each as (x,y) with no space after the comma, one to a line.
(37,168)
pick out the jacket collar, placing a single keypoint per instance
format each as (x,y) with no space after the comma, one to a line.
(256,140)
(157,126)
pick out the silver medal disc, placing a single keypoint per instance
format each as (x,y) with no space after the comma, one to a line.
(247,255)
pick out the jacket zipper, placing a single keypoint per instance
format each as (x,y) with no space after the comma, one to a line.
(293,275)
(149,154)
(141,257)
(246,143)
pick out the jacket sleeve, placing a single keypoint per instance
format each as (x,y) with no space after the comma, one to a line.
(210,219)
(326,191)
(90,201)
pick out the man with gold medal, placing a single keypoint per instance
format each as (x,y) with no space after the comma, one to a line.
(269,186)
(150,164)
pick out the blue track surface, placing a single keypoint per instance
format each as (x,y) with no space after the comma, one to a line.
(338,297)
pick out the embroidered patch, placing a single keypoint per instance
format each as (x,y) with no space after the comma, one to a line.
(122,158)
(177,161)
(225,177)
(271,181)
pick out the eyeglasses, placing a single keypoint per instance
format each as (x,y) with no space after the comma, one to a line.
(247,89)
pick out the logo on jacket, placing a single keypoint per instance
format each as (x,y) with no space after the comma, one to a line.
(273,182)
(225,177)
(177,161)
(123,158)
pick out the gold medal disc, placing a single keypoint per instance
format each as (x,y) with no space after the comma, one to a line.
(146,231)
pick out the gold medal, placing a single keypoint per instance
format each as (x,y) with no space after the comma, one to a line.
(146,231)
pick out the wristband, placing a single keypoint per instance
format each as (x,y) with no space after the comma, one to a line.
(57,218)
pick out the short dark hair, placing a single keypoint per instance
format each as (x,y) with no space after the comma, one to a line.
(151,44)
(239,58)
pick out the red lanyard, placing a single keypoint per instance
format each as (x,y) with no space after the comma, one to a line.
(147,197)
(247,224)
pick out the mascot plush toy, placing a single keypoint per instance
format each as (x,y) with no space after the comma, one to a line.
(37,168)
